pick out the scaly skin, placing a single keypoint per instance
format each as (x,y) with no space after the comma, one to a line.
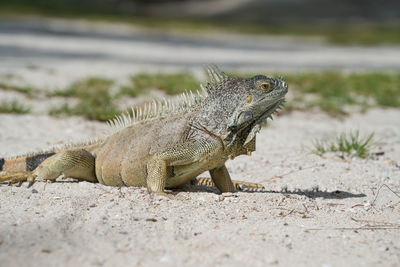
(169,149)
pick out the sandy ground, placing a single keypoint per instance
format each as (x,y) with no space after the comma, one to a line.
(317,211)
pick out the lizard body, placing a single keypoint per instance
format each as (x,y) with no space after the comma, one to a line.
(165,145)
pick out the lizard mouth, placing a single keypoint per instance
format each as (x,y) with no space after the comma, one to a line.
(247,126)
(247,130)
(271,109)
(268,112)
(251,130)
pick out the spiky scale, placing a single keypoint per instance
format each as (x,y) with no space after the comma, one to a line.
(211,76)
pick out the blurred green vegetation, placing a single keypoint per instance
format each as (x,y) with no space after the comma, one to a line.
(95,99)
(333,92)
(51,7)
(347,34)
(97,102)
(169,83)
(13,107)
(27,90)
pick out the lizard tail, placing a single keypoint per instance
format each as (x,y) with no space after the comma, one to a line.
(23,163)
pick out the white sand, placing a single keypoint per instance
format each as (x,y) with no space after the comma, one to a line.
(73,224)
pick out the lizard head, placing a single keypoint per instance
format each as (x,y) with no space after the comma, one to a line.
(257,98)
(235,107)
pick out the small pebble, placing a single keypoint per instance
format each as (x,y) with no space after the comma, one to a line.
(166,259)
(272,261)
(34,191)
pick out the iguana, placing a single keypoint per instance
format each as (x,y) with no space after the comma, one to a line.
(166,144)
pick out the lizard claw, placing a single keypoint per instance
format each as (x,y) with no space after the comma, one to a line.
(18,178)
(248,187)
(30,183)
(15,178)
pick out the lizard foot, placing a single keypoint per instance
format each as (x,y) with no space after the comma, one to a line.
(18,177)
(247,186)
(238,185)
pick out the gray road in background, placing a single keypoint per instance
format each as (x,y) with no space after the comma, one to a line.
(78,48)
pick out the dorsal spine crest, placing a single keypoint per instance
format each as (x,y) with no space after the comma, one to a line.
(165,107)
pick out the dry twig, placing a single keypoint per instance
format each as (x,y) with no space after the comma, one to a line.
(377,194)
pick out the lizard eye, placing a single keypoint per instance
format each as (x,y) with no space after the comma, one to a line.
(266,87)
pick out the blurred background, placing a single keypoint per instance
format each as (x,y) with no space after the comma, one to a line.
(262,12)
(62,53)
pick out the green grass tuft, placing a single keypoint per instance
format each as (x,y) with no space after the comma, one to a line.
(13,107)
(347,144)
(95,99)
(101,113)
(86,88)
(169,83)
(26,90)
(334,91)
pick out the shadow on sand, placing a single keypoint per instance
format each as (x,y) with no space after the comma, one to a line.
(337,194)
(313,193)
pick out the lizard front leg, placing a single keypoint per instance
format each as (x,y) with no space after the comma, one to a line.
(222,179)
(188,152)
